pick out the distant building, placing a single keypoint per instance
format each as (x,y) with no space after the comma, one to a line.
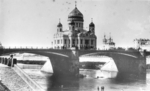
(142,43)
(1,45)
(76,36)
(108,43)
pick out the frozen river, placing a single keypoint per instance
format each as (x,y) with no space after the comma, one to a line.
(93,80)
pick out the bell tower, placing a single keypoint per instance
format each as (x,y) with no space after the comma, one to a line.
(59,27)
(92,26)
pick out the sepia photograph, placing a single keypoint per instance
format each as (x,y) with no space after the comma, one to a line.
(74,45)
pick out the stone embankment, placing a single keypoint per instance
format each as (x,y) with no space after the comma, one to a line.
(3,87)
(27,79)
(12,80)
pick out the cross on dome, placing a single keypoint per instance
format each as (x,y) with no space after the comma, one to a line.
(59,24)
(92,24)
(75,14)
(75,3)
(59,20)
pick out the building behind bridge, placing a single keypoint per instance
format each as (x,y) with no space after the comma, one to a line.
(108,43)
(1,46)
(142,43)
(76,36)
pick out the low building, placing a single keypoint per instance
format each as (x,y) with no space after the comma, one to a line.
(1,45)
(142,43)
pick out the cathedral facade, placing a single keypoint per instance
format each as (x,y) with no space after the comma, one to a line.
(76,36)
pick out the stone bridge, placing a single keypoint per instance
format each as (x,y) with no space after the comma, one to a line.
(65,63)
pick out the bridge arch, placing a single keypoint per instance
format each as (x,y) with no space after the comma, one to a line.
(61,60)
(30,58)
(104,63)
(126,61)
(65,61)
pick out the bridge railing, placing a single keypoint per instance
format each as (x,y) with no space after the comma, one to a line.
(12,63)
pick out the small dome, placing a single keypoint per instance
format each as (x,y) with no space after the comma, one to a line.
(75,15)
(92,24)
(59,25)
(1,45)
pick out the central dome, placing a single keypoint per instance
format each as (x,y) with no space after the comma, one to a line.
(75,15)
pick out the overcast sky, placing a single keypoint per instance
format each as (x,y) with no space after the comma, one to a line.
(34,22)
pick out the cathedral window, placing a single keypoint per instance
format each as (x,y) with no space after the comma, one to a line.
(81,24)
(92,42)
(68,41)
(81,41)
(73,41)
(86,42)
(76,24)
(57,41)
(64,41)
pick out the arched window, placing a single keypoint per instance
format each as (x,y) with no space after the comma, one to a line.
(57,41)
(81,41)
(65,41)
(91,42)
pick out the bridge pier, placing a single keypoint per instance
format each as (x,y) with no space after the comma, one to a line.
(65,68)
(132,68)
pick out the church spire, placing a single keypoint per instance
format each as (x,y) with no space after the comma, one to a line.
(110,35)
(59,24)
(110,39)
(105,40)
(91,19)
(75,4)
(92,24)
(59,20)
(104,35)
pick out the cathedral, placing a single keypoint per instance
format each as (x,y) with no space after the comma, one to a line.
(76,36)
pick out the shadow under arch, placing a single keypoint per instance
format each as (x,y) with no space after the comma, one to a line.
(128,64)
(98,61)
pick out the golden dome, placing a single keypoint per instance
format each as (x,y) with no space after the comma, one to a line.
(75,15)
